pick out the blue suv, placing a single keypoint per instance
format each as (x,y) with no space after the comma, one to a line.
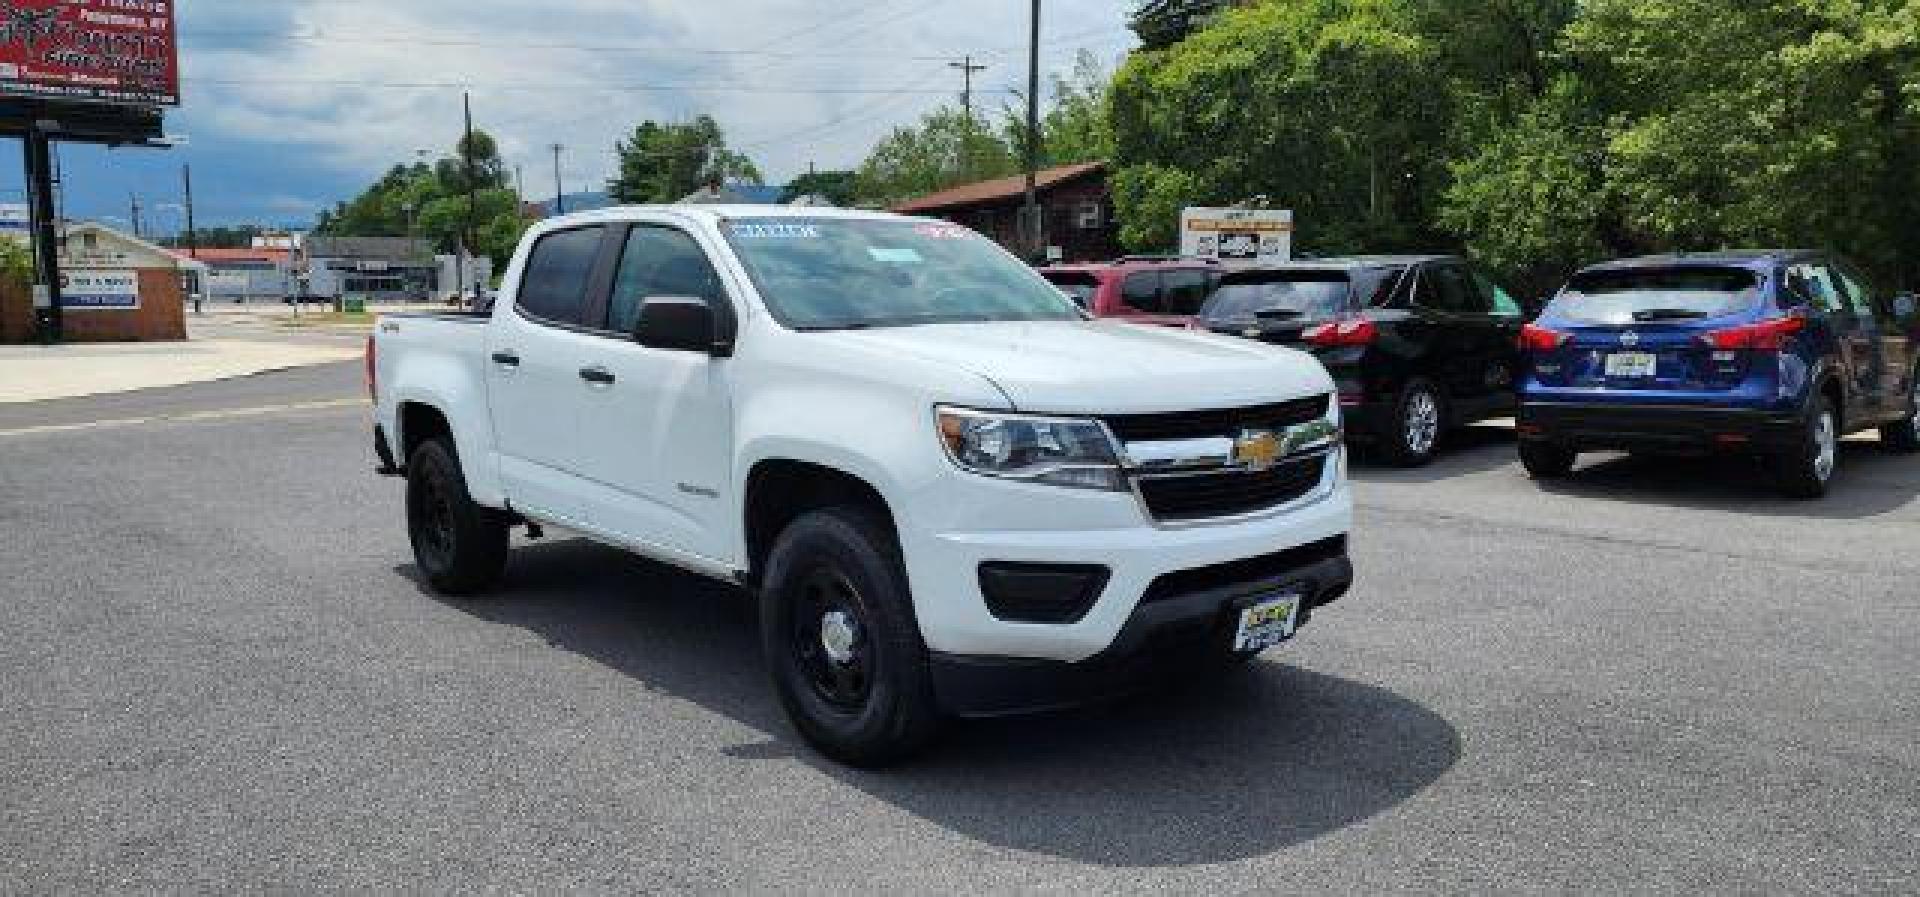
(1770,353)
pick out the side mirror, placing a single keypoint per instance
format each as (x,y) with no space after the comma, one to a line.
(681,324)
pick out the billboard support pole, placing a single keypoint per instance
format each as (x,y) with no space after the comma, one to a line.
(46,240)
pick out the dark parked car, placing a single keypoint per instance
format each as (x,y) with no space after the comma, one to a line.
(1163,291)
(1771,353)
(1417,344)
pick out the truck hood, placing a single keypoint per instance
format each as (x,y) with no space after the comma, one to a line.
(1103,367)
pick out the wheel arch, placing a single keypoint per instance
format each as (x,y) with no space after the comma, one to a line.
(779,490)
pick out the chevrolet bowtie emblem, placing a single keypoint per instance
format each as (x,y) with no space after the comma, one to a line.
(1257,450)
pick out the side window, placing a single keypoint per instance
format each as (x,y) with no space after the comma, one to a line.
(658,261)
(1141,292)
(1183,292)
(554,286)
(1817,284)
(1865,303)
(1503,303)
(1446,288)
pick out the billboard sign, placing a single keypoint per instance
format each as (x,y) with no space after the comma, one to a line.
(118,52)
(1237,235)
(100,290)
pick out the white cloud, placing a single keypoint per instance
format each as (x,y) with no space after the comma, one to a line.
(337,103)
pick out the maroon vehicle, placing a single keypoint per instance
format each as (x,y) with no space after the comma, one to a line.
(1143,290)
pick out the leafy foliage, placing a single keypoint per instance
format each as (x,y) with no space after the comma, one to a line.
(663,163)
(944,149)
(838,187)
(430,201)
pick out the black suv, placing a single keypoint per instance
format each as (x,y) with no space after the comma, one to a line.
(1417,344)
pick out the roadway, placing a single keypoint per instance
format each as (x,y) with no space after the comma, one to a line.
(218,673)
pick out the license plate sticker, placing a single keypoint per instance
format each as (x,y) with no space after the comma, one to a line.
(1267,623)
(1632,364)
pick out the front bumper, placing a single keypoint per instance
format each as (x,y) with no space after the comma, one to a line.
(1159,636)
(1673,428)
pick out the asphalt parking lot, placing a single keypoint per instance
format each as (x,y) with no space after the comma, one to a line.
(216,672)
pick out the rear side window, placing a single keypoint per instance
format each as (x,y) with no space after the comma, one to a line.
(1183,292)
(1654,294)
(1817,284)
(1079,285)
(1141,292)
(1447,288)
(1865,303)
(1311,294)
(554,287)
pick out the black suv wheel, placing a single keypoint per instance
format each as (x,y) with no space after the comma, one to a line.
(1410,433)
(460,547)
(842,641)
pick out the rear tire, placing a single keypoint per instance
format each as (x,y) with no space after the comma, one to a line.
(1903,436)
(842,642)
(1806,472)
(1411,433)
(459,546)
(1546,461)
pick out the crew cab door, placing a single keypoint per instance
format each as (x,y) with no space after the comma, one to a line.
(535,350)
(1896,349)
(1454,325)
(656,434)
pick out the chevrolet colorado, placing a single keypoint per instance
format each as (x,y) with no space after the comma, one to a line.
(950,493)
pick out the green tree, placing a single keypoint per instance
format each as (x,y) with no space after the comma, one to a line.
(663,163)
(1338,110)
(1075,127)
(945,148)
(838,187)
(430,201)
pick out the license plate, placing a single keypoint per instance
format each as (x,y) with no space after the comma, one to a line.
(1632,364)
(1267,623)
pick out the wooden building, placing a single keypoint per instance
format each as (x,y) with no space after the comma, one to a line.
(1075,203)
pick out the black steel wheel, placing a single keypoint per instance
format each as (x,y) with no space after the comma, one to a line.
(460,547)
(842,642)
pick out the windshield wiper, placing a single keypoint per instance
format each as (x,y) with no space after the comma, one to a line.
(828,328)
(1668,314)
(1279,314)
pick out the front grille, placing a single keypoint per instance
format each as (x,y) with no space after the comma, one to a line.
(1229,492)
(1218,422)
(1247,574)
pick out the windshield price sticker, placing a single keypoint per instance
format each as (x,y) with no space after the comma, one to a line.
(777,231)
(892,256)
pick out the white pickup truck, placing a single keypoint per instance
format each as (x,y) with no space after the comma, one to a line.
(951,493)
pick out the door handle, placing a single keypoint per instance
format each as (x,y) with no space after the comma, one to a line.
(598,376)
(506,359)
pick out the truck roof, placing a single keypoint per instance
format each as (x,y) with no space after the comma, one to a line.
(719,212)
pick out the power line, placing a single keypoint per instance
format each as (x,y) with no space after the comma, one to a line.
(537,86)
(389,37)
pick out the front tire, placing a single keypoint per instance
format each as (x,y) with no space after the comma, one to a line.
(1806,472)
(841,639)
(1903,436)
(459,546)
(1546,461)
(1411,433)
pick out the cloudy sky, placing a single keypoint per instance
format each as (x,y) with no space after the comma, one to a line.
(291,105)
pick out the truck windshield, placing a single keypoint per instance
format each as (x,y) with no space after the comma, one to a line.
(1652,294)
(852,273)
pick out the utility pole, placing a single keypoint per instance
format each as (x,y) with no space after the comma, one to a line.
(967,67)
(135,213)
(466,232)
(559,191)
(199,290)
(193,239)
(1031,210)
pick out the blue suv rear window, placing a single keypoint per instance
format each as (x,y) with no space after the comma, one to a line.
(1636,295)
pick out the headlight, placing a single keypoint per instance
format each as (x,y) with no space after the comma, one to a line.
(1055,451)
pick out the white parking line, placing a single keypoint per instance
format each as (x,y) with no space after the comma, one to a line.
(218,414)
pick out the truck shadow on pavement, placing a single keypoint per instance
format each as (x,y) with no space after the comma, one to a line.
(1871,482)
(1270,759)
